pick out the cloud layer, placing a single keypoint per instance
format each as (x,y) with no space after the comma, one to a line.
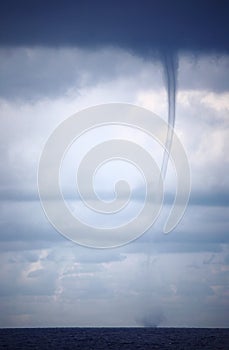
(175,280)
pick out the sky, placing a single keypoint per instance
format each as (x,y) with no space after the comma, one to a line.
(59,58)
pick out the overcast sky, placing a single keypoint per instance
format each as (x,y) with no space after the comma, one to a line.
(53,64)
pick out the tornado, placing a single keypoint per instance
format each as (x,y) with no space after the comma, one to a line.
(170,67)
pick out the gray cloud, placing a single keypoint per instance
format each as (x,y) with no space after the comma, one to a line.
(203,72)
(39,72)
(33,73)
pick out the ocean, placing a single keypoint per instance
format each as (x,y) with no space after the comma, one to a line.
(114,338)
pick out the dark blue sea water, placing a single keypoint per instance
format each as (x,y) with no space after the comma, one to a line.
(114,338)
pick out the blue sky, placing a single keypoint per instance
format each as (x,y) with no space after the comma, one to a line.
(179,279)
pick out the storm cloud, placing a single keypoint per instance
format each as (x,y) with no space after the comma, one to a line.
(141,26)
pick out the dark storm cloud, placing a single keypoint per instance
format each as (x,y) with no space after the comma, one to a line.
(139,25)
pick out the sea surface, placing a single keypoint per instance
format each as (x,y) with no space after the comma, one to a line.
(114,338)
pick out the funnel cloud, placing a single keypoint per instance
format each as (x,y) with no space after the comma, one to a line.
(170,65)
